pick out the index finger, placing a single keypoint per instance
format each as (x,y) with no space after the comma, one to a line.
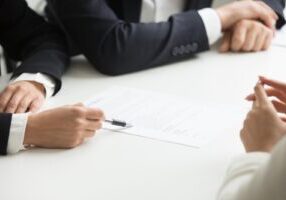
(273,83)
(267,16)
(270,10)
(260,95)
(94,114)
(225,44)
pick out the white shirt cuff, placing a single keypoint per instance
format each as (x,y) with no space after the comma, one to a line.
(48,82)
(17,133)
(212,24)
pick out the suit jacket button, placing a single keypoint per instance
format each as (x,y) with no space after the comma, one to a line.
(194,47)
(175,51)
(187,49)
(182,50)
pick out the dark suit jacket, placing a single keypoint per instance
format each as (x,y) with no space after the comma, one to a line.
(107,32)
(5,122)
(27,37)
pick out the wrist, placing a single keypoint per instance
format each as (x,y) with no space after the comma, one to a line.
(29,138)
(265,149)
(39,86)
(227,17)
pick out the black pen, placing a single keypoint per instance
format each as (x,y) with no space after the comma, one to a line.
(116,122)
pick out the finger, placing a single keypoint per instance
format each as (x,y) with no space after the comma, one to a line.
(24,104)
(269,10)
(273,83)
(225,44)
(254,104)
(14,102)
(279,106)
(272,92)
(93,125)
(267,15)
(5,97)
(283,118)
(250,97)
(250,40)
(238,37)
(259,42)
(89,133)
(260,95)
(79,104)
(79,142)
(94,114)
(268,41)
(35,105)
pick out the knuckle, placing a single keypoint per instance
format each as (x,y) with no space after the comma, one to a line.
(72,144)
(264,109)
(268,32)
(75,136)
(22,88)
(253,5)
(238,39)
(2,104)
(10,88)
(78,112)
(78,123)
(12,104)
(100,113)
(22,106)
(241,23)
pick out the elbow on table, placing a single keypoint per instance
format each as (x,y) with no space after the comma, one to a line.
(115,66)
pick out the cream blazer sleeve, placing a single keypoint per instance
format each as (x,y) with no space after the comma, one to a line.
(257,176)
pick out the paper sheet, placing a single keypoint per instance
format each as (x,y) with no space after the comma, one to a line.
(162,117)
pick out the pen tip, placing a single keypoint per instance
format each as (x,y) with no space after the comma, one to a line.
(128,125)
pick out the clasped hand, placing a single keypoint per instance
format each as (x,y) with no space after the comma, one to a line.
(247,26)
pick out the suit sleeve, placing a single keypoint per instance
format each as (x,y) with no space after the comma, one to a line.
(117,47)
(27,37)
(278,6)
(5,122)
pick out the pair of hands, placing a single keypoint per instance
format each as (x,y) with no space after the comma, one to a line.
(64,127)
(247,26)
(265,124)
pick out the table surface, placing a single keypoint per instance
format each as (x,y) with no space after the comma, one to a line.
(114,166)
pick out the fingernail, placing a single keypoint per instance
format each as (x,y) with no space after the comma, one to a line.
(262,77)
(248,97)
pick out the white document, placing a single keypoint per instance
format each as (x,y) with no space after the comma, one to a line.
(162,117)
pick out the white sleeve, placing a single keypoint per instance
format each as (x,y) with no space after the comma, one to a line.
(212,24)
(48,82)
(17,133)
(257,176)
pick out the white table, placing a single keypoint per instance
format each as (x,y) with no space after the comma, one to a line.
(115,166)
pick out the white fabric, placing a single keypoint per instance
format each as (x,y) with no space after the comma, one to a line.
(257,176)
(212,24)
(17,133)
(161,10)
(48,83)
(148,11)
